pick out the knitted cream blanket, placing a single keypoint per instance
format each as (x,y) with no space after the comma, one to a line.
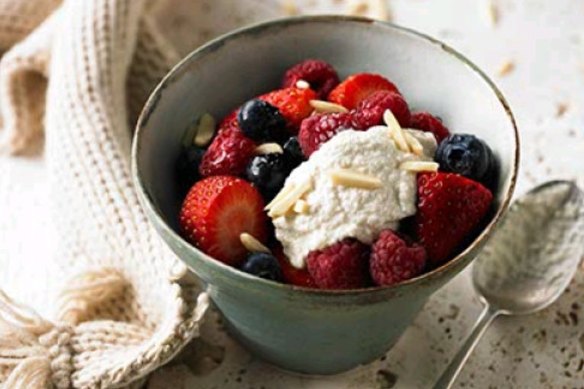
(130,305)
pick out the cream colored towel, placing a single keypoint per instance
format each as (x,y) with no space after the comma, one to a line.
(130,306)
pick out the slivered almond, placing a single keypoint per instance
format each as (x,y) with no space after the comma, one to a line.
(205,130)
(327,107)
(283,192)
(492,13)
(396,131)
(358,8)
(354,179)
(419,166)
(506,68)
(252,244)
(414,144)
(380,10)
(390,120)
(290,8)
(301,84)
(399,138)
(301,206)
(281,207)
(561,109)
(269,148)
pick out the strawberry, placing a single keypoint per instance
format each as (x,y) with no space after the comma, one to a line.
(450,208)
(293,103)
(292,275)
(228,154)
(358,87)
(216,211)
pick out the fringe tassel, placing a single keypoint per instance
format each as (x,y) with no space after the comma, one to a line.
(20,317)
(20,328)
(34,372)
(26,338)
(88,290)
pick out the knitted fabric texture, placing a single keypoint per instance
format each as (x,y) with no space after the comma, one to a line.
(80,71)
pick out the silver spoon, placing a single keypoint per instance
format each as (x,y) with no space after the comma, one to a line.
(528,262)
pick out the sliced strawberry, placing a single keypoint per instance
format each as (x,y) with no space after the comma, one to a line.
(293,103)
(358,87)
(450,208)
(215,213)
(228,154)
(292,275)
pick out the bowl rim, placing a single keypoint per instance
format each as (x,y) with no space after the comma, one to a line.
(253,29)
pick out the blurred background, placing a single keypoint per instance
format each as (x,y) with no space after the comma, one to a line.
(533,50)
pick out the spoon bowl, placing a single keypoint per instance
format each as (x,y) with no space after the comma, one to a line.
(532,258)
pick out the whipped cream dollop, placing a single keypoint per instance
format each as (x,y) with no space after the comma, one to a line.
(335,212)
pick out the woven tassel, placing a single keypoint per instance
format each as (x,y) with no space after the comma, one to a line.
(88,290)
(37,350)
(20,328)
(20,317)
(34,372)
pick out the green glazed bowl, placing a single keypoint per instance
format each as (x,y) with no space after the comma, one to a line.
(305,330)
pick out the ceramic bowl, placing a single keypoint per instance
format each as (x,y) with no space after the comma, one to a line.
(304,330)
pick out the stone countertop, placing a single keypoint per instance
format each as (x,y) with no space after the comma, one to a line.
(544,41)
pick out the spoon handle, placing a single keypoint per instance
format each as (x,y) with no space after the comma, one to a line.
(454,368)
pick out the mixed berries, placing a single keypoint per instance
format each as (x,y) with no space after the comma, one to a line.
(230,181)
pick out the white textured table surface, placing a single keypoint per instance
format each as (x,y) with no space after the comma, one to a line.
(545,41)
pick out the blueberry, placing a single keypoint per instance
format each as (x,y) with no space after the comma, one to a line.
(268,172)
(260,121)
(263,265)
(293,152)
(469,156)
(187,166)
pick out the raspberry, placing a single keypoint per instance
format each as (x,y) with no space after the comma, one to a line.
(370,111)
(228,154)
(427,122)
(318,129)
(321,76)
(344,265)
(394,260)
